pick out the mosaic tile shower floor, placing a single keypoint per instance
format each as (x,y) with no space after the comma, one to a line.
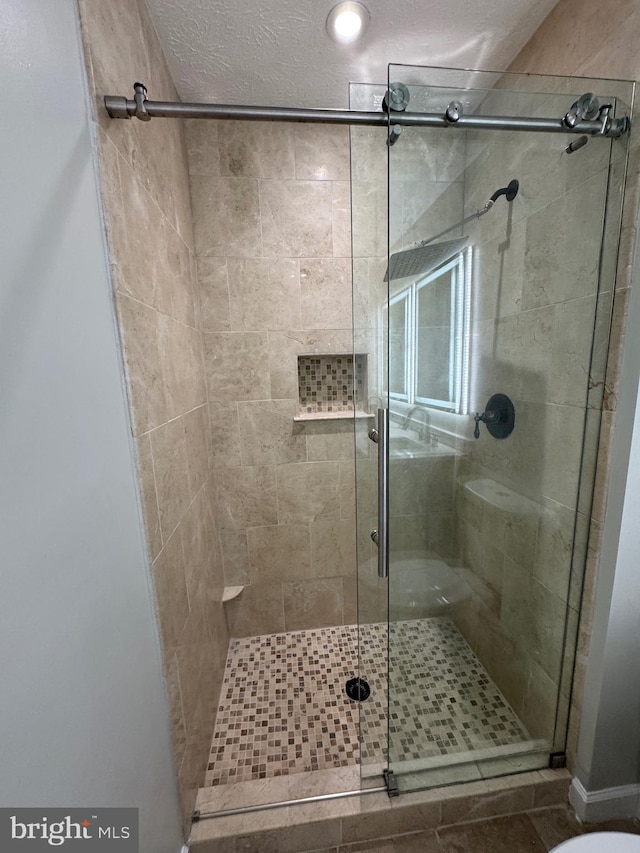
(283,708)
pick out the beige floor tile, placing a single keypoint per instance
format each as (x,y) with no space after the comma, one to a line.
(417,842)
(514,834)
(555,825)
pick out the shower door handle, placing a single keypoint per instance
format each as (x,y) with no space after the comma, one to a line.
(382,537)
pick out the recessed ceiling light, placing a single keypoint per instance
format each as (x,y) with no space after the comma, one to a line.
(347,22)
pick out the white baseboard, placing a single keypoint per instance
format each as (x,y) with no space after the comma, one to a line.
(605,804)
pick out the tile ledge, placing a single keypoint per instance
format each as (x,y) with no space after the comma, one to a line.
(330,416)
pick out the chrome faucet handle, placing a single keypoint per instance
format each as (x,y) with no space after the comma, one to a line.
(419,414)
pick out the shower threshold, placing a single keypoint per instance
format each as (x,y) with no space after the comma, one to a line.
(315,786)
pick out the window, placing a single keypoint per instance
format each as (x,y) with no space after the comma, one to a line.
(427,335)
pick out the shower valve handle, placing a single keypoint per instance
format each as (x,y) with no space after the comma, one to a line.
(486,418)
(499,417)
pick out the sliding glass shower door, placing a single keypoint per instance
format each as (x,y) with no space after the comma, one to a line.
(485,329)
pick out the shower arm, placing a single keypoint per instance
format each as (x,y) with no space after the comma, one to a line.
(509,192)
(480,212)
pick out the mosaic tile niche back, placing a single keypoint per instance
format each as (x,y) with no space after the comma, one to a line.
(331,383)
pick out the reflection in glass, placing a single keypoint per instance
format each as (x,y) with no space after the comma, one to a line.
(435,358)
(427,324)
(399,326)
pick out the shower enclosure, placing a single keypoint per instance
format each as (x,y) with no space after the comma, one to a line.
(487,338)
(485,223)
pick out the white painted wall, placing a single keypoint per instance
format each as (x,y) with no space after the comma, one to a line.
(83,714)
(609,748)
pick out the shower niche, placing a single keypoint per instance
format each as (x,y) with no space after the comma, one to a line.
(330,385)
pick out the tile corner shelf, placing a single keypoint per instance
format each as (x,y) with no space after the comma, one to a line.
(231,592)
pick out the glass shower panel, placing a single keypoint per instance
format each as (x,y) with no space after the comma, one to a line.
(481,603)
(369,221)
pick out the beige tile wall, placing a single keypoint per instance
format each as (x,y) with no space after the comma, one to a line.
(589,38)
(271,209)
(151,246)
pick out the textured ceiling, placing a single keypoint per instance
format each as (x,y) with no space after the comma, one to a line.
(277,52)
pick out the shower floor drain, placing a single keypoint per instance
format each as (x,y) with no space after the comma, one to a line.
(357,689)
